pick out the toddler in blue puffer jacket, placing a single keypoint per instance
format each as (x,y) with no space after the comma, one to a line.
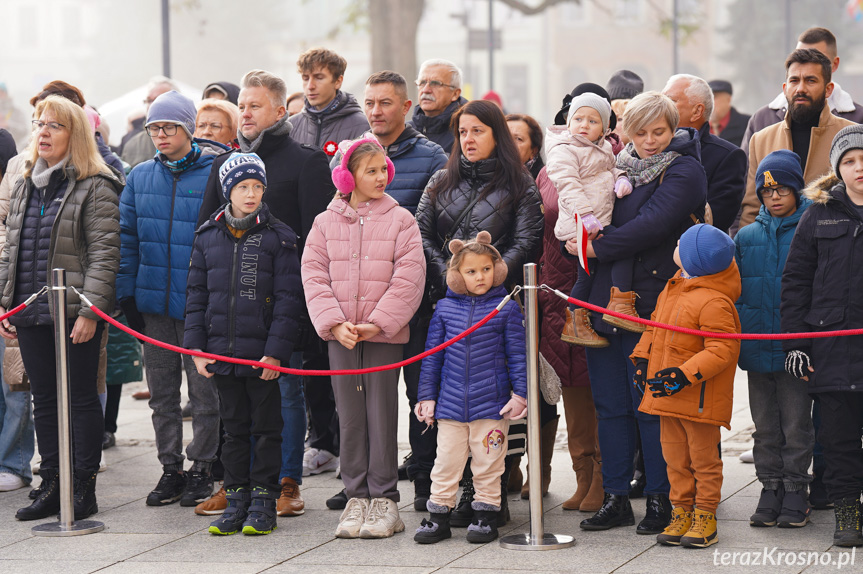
(472,388)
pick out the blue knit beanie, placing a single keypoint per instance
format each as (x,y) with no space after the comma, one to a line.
(240,166)
(781,167)
(705,250)
(176,108)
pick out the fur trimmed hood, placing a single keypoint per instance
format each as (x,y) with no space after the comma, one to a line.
(819,191)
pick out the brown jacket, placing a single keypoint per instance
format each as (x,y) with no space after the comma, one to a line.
(778,136)
(705,303)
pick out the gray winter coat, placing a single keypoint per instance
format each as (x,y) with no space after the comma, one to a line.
(85,240)
(346,122)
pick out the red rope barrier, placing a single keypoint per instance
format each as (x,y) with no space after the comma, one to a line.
(288,370)
(17,309)
(688,331)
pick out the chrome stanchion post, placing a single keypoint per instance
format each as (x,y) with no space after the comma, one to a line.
(537,538)
(66,526)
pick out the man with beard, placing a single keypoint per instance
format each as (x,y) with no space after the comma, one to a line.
(808,128)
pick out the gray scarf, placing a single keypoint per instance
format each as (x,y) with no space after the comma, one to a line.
(243,223)
(41,173)
(280,128)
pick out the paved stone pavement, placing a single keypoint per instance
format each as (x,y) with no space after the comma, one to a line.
(140,539)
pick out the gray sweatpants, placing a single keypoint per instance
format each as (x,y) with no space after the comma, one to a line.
(164,376)
(368,407)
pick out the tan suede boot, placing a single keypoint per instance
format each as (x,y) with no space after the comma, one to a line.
(623,302)
(580,413)
(578,331)
(515,476)
(548,433)
(593,501)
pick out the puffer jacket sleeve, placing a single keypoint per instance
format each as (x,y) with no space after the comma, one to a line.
(101,228)
(129,257)
(432,366)
(797,282)
(9,178)
(434,253)
(526,235)
(514,341)
(562,170)
(288,294)
(324,309)
(402,298)
(197,298)
(642,349)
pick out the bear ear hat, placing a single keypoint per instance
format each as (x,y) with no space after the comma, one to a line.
(455,246)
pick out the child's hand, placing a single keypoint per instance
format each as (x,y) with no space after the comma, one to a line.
(346,334)
(366,331)
(269,374)
(201,366)
(622,187)
(572,246)
(515,408)
(798,364)
(668,382)
(591,224)
(640,377)
(424,410)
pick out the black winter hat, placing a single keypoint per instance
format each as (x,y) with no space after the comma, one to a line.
(560,118)
(717,86)
(7,150)
(624,85)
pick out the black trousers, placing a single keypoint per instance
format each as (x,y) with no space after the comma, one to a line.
(37,352)
(839,435)
(112,407)
(423,442)
(250,407)
(320,402)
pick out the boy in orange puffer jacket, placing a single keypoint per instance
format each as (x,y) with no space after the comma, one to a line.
(693,379)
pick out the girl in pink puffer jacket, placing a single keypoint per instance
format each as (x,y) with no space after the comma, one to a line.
(364,273)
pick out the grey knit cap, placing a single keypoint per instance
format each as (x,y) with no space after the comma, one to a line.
(176,108)
(591,100)
(848,138)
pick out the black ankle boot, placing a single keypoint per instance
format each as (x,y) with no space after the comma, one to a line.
(435,529)
(503,515)
(84,495)
(48,502)
(658,515)
(462,516)
(616,511)
(422,490)
(483,529)
(848,532)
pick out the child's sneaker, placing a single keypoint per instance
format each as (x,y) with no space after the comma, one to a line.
(769,507)
(847,533)
(436,528)
(623,302)
(262,512)
(681,522)
(795,510)
(382,519)
(234,515)
(579,331)
(703,531)
(483,529)
(352,518)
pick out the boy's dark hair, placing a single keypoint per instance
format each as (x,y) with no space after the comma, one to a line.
(810,56)
(311,60)
(398,82)
(816,36)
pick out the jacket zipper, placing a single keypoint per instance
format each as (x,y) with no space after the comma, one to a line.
(359,259)
(170,231)
(701,400)
(36,243)
(467,357)
(320,131)
(232,300)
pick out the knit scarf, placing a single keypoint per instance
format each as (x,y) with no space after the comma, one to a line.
(41,173)
(643,171)
(242,223)
(281,127)
(184,162)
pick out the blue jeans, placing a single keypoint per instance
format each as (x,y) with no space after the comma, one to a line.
(611,372)
(17,436)
(294,422)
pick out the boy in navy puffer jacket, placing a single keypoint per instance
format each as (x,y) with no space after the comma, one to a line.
(243,300)
(472,388)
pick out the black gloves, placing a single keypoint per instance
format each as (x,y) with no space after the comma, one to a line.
(133,316)
(668,382)
(798,364)
(640,375)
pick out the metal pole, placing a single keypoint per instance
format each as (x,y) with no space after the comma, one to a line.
(66,525)
(166,39)
(537,539)
(490,44)
(675,39)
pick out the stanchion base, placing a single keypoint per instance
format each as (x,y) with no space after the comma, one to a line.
(548,542)
(79,528)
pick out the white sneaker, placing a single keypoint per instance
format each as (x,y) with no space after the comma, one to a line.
(9,481)
(747,456)
(317,461)
(352,518)
(382,519)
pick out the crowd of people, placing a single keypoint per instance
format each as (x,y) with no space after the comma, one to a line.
(320,230)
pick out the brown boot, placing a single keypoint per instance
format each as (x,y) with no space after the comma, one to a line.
(580,416)
(583,475)
(515,476)
(548,433)
(290,503)
(593,501)
(623,302)
(578,331)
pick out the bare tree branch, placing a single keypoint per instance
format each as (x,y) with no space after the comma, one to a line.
(529,10)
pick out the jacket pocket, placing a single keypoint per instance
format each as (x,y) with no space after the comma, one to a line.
(825,316)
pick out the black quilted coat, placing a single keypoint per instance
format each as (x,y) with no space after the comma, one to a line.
(516,227)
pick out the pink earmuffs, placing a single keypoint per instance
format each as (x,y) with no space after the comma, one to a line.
(455,281)
(342,176)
